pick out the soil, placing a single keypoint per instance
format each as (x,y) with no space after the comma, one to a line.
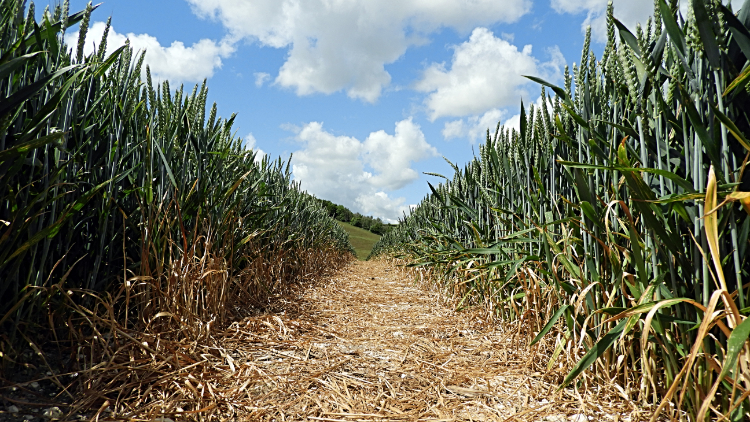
(369,345)
(31,391)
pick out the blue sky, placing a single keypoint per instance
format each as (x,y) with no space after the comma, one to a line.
(367,94)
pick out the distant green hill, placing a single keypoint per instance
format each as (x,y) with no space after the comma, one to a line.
(361,239)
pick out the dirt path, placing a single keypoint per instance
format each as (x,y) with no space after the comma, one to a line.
(370,345)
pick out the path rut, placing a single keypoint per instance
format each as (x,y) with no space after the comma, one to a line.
(370,345)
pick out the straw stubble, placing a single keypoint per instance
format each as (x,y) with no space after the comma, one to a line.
(369,344)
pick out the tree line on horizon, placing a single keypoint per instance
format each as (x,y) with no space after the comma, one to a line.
(344,214)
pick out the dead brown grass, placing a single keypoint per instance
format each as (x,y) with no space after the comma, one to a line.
(365,344)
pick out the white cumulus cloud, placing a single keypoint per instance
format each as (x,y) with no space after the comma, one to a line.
(358,174)
(391,155)
(329,166)
(252,144)
(261,78)
(176,62)
(379,204)
(474,128)
(345,44)
(486,73)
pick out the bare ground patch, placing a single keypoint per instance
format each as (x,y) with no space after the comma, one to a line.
(364,345)
(370,345)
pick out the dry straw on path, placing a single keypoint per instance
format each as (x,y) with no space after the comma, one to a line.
(370,345)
